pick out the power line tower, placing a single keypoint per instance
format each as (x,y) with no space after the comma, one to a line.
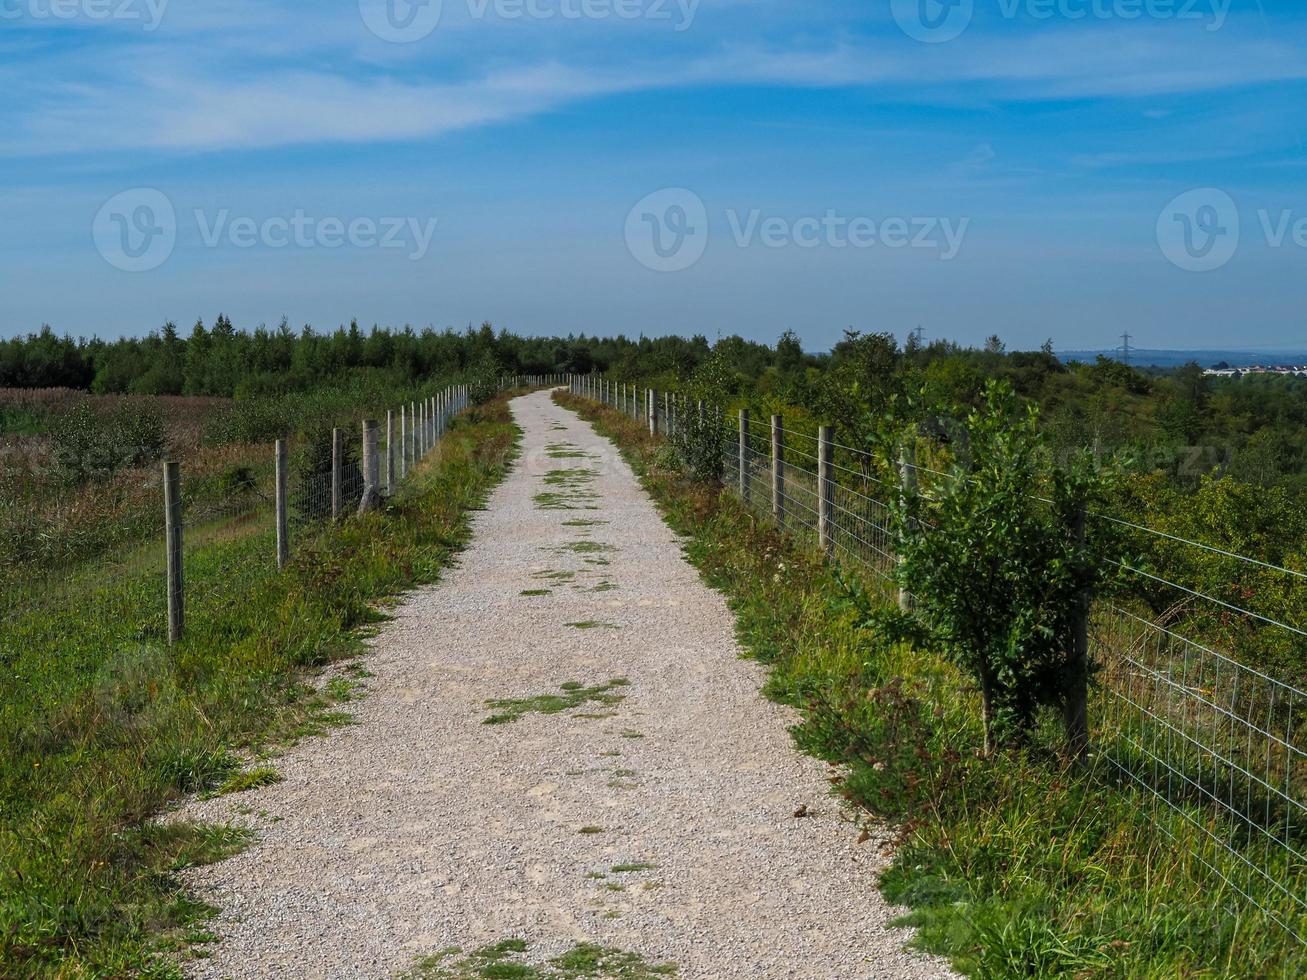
(1125,348)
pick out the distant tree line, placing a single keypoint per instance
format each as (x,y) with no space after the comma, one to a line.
(225,361)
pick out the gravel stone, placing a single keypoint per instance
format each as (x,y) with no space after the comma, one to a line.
(421,828)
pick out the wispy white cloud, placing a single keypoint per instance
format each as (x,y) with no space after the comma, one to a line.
(257,75)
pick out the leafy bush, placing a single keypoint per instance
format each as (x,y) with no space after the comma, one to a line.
(87,446)
(700,438)
(999,569)
(700,444)
(483,381)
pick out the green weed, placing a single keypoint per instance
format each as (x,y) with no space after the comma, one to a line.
(251,779)
(574,694)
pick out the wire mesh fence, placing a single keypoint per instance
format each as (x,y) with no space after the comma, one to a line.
(1217,748)
(89,607)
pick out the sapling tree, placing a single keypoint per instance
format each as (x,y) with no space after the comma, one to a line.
(700,439)
(995,552)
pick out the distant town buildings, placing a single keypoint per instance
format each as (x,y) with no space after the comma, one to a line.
(1224,370)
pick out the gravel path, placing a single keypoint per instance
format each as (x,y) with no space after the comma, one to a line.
(421,827)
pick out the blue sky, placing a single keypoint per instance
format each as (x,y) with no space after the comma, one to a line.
(828,167)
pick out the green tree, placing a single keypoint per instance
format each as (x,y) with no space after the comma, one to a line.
(994,555)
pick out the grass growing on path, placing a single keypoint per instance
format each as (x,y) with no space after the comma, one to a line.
(102,725)
(507,959)
(574,694)
(1015,866)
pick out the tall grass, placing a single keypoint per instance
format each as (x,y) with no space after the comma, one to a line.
(102,725)
(1013,866)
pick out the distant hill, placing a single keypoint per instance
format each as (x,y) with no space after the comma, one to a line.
(1142,357)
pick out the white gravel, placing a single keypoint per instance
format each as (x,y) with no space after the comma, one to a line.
(421,828)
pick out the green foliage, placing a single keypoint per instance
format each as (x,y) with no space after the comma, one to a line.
(700,439)
(87,445)
(991,555)
(700,445)
(483,379)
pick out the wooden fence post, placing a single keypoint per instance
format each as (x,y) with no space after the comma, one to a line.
(744,456)
(403,441)
(825,490)
(172,518)
(651,400)
(412,447)
(390,452)
(907,488)
(337,472)
(282,502)
(1077,693)
(778,471)
(667,414)
(371,468)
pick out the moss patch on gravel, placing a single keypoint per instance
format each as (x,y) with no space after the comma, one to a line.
(592,624)
(573,695)
(509,959)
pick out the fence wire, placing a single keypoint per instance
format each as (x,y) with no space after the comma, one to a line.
(1218,748)
(87,613)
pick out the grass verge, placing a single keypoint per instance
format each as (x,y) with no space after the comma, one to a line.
(102,725)
(1013,866)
